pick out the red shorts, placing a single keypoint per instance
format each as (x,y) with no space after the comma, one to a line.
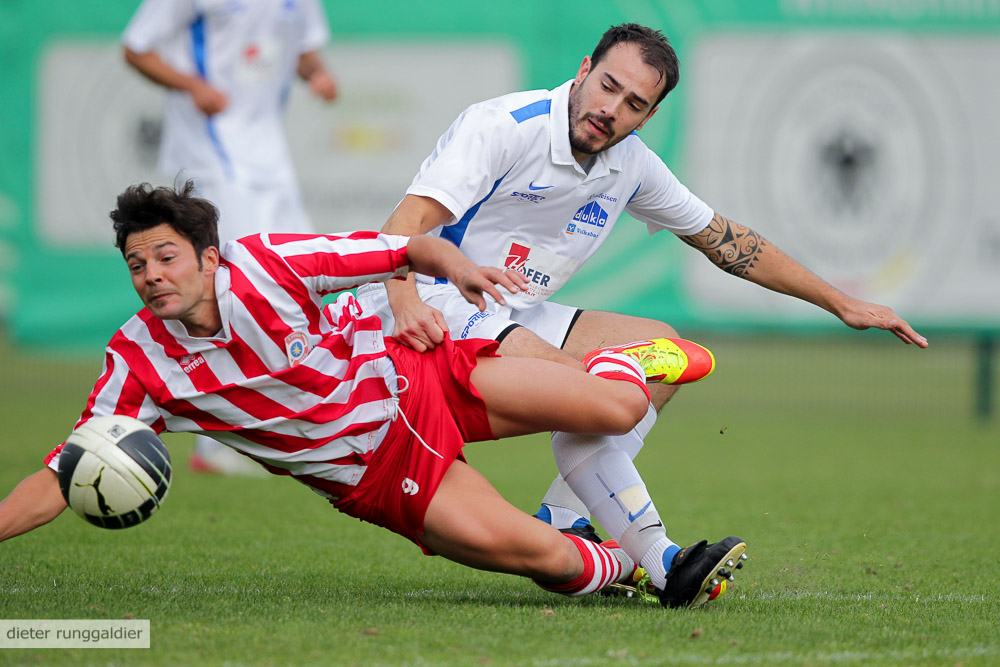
(441,405)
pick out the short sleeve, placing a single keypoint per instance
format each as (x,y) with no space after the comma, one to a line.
(476,152)
(156,21)
(316,32)
(663,202)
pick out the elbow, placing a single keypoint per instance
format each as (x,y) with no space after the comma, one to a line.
(130,56)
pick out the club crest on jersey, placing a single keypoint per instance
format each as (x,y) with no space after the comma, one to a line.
(189,362)
(297,347)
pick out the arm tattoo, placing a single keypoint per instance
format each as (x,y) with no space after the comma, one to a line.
(730,246)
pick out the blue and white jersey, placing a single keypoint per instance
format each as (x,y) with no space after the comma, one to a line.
(249,51)
(520,200)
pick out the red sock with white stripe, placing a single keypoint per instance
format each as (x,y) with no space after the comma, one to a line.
(601,566)
(612,365)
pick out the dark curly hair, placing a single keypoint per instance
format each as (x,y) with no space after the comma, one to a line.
(654,47)
(143,207)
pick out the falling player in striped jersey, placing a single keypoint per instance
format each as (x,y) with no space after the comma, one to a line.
(238,344)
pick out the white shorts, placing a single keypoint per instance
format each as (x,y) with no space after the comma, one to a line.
(246,209)
(549,321)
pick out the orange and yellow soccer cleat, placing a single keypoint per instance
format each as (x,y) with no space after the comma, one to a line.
(667,360)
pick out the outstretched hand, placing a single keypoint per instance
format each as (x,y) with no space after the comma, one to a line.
(862,315)
(473,281)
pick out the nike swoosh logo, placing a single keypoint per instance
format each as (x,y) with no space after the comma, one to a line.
(532,186)
(652,525)
(633,517)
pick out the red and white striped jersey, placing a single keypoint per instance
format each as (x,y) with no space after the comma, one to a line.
(296,386)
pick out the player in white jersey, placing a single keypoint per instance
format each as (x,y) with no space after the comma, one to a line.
(228,66)
(239,345)
(535,181)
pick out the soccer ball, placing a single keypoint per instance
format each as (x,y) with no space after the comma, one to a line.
(114,471)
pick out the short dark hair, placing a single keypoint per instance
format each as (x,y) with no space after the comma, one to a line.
(143,207)
(653,45)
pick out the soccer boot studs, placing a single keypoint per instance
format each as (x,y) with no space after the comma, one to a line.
(701,572)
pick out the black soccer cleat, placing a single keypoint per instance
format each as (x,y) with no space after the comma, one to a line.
(583,530)
(700,572)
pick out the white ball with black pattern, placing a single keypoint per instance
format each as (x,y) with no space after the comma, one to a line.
(114,471)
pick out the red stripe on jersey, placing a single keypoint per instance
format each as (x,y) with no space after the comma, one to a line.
(109,363)
(245,357)
(53,453)
(279,239)
(141,367)
(130,400)
(285,278)
(360,264)
(258,306)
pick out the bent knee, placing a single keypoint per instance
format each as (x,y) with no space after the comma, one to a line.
(630,411)
(620,413)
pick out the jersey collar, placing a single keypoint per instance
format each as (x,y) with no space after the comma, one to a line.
(223,283)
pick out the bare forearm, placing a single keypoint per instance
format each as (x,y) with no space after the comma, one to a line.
(151,66)
(414,216)
(436,257)
(309,64)
(744,253)
(33,503)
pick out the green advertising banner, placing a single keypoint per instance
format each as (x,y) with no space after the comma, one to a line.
(856,135)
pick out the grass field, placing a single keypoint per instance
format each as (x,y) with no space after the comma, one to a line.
(853,468)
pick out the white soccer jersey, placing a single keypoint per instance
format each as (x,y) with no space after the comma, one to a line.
(298,388)
(248,50)
(519,199)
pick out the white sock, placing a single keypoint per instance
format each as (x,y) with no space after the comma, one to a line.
(560,506)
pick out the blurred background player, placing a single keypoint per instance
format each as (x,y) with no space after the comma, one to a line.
(535,181)
(228,67)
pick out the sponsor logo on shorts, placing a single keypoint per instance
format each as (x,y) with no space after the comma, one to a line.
(473,321)
(591,214)
(410,487)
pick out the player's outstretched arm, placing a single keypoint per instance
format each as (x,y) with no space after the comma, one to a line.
(439,258)
(417,325)
(33,503)
(741,251)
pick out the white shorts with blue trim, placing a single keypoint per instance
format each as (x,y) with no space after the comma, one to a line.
(549,321)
